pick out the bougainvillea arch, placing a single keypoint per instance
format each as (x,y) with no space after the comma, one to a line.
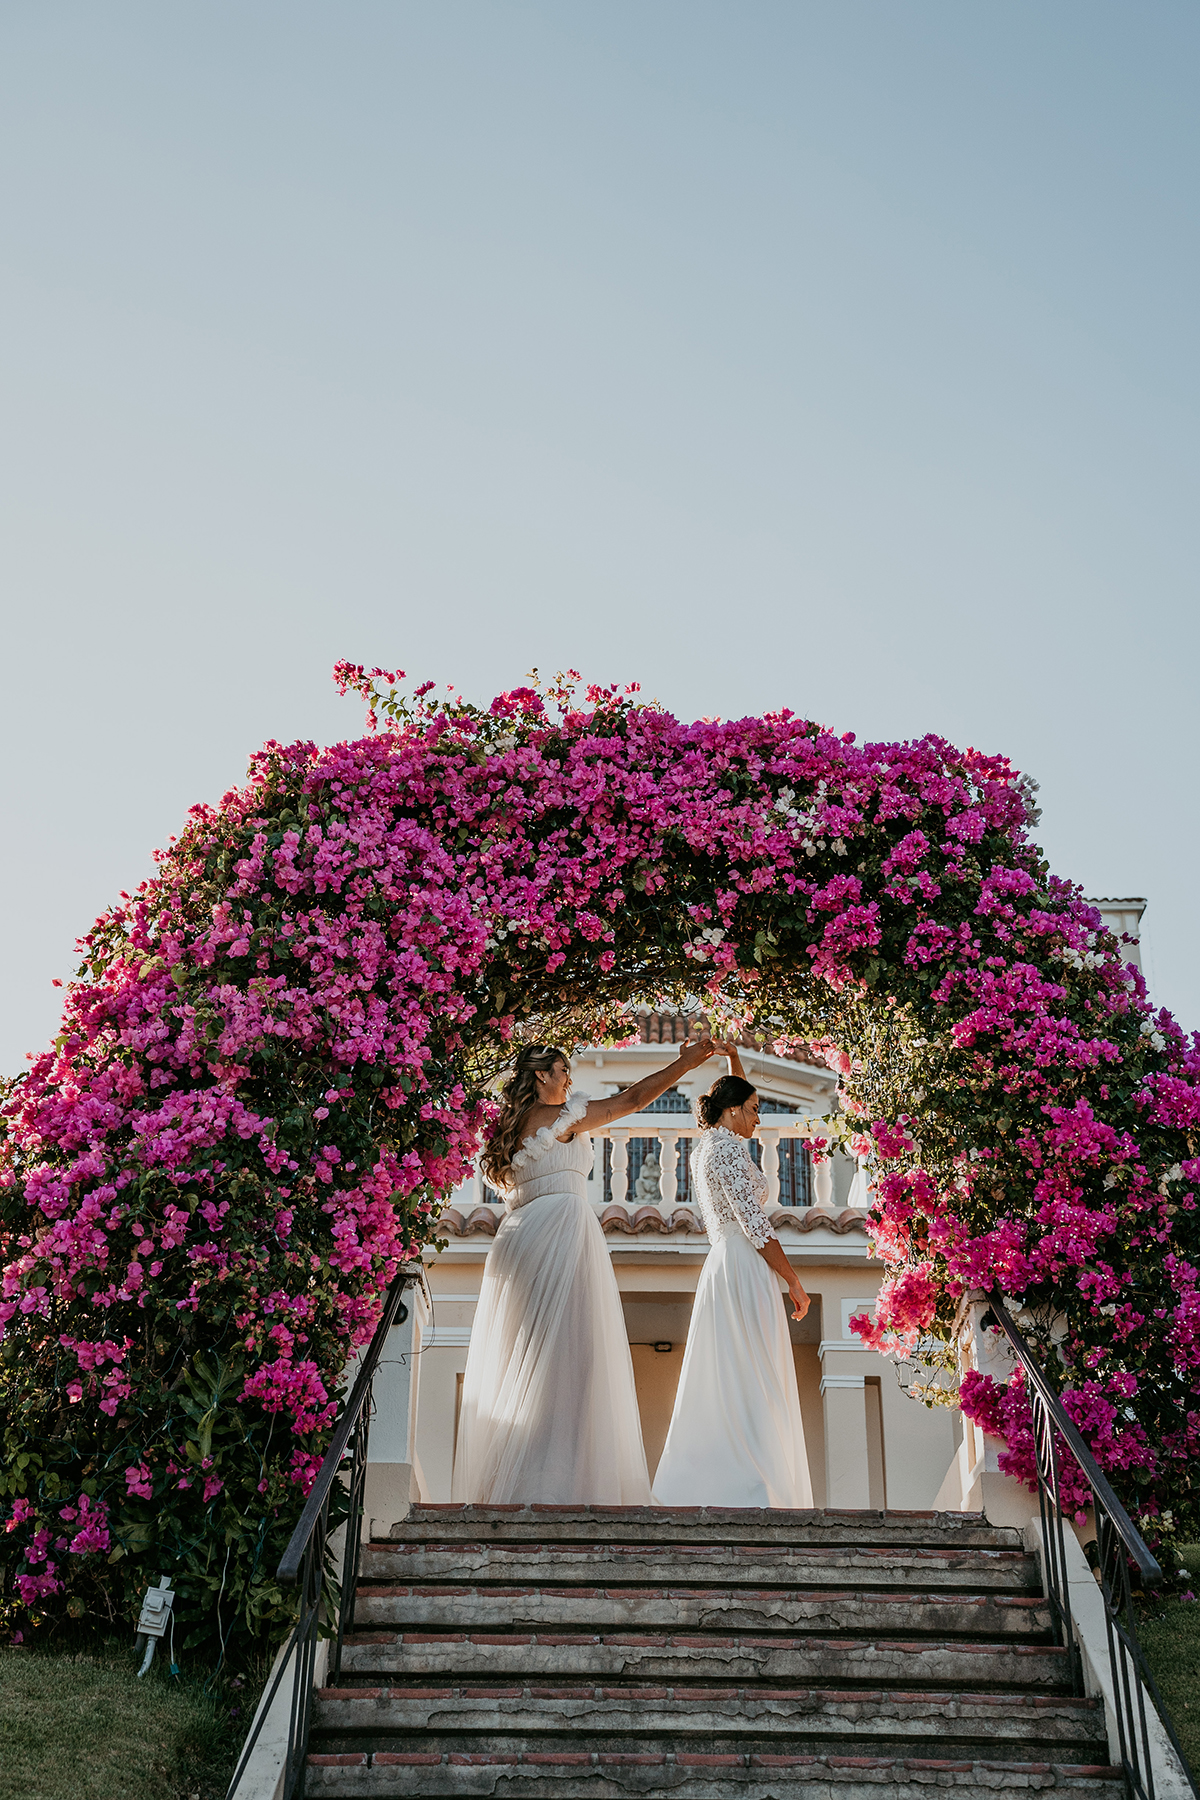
(274,1064)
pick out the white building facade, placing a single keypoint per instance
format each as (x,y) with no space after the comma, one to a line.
(870,1445)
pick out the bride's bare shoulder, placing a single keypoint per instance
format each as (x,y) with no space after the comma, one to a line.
(537,1118)
(572,1115)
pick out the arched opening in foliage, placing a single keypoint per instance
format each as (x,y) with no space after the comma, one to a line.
(275,1063)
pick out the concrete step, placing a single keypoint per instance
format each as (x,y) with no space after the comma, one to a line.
(526,1652)
(813,1720)
(910,1567)
(605,1609)
(582,1775)
(689,1524)
(421,1657)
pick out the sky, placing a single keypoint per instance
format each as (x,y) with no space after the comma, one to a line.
(835,356)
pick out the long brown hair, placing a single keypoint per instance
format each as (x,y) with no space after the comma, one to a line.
(517,1096)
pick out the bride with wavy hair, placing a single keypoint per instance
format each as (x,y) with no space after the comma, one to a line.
(549,1411)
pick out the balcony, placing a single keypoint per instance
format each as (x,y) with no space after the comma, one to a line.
(640,1178)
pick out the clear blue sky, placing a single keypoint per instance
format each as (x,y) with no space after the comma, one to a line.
(838,356)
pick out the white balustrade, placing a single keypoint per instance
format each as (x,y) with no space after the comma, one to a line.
(670,1134)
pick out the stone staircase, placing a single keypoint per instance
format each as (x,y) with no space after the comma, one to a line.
(596,1652)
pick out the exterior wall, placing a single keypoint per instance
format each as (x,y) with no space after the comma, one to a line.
(1124,917)
(868,1443)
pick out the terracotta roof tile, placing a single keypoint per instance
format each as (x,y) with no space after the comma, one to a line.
(619,1220)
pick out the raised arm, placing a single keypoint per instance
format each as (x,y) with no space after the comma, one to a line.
(730,1050)
(636,1098)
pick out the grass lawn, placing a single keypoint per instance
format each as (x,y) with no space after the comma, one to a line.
(83,1727)
(1170,1636)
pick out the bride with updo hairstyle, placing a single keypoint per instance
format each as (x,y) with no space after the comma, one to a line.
(549,1411)
(726,1094)
(736,1438)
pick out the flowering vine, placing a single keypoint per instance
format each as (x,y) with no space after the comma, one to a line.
(274,1065)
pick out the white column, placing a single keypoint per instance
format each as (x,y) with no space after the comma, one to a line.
(918,1444)
(391,1483)
(844,1366)
(823,1182)
(973,1481)
(847,1476)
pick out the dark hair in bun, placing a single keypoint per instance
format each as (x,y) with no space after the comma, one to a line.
(729,1091)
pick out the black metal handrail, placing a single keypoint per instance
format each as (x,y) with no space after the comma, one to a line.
(1119,1547)
(303,1562)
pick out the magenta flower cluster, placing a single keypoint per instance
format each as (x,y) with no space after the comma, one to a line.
(275,1065)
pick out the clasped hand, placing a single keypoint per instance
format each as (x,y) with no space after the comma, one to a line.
(692,1054)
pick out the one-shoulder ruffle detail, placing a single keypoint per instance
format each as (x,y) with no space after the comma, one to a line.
(538,1142)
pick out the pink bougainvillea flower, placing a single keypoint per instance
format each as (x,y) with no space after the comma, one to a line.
(274,1066)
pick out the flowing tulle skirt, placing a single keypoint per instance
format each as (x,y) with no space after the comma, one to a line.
(549,1410)
(735,1437)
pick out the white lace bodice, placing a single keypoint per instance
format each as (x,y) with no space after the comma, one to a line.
(731,1189)
(544,1166)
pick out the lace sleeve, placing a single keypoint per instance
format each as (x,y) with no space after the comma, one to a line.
(538,1142)
(731,1168)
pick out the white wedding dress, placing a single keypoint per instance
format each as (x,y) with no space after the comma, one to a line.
(549,1410)
(735,1437)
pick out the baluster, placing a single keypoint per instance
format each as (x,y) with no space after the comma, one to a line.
(661,1141)
(770,1143)
(680,1154)
(620,1163)
(823,1181)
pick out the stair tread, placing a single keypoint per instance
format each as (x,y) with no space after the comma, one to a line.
(653,1524)
(908,1566)
(700,1639)
(632,1691)
(661,1657)
(693,1776)
(439,1715)
(836,1610)
(751,1701)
